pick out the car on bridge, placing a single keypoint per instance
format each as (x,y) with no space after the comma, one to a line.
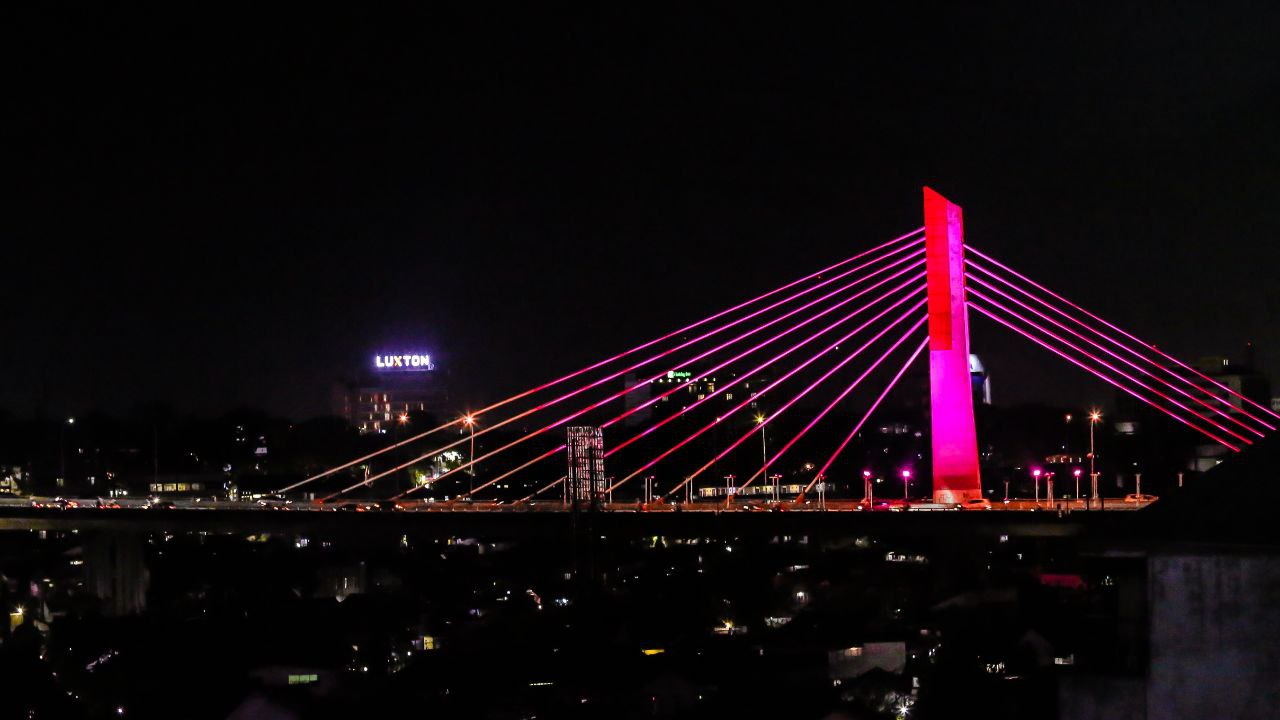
(976,504)
(1136,498)
(891,505)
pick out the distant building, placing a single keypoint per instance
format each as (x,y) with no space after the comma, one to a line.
(681,388)
(12,478)
(1240,375)
(981,381)
(391,388)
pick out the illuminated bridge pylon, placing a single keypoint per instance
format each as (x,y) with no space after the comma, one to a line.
(956,477)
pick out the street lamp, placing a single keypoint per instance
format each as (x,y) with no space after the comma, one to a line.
(764,453)
(62,450)
(1076,472)
(1094,418)
(866,487)
(1036,474)
(906,484)
(470,421)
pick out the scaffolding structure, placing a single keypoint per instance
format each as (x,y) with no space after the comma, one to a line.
(585,482)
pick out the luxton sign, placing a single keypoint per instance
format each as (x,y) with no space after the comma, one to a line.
(408,362)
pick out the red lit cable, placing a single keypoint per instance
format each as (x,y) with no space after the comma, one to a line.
(748,374)
(766,389)
(615,375)
(793,400)
(996,304)
(727,386)
(844,393)
(988,286)
(638,348)
(1141,342)
(853,433)
(1105,377)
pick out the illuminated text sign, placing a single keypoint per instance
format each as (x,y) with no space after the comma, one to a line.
(407,362)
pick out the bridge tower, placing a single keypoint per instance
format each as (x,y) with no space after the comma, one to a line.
(955,443)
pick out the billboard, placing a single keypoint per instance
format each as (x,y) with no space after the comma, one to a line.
(403,362)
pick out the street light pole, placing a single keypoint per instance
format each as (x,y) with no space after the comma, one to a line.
(764,453)
(1035,474)
(470,421)
(1094,417)
(906,485)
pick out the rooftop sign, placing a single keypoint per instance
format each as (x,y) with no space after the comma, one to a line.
(407,362)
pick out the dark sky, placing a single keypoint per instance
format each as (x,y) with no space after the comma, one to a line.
(215,207)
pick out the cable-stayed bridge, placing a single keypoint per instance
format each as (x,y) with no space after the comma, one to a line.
(654,427)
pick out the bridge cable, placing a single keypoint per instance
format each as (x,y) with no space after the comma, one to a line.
(822,471)
(1150,347)
(976,292)
(797,397)
(824,283)
(1096,372)
(663,373)
(729,385)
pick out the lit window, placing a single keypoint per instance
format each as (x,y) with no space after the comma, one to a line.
(728,396)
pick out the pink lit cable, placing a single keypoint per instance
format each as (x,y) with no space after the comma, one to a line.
(633,350)
(1212,408)
(854,432)
(817,418)
(1101,375)
(765,390)
(996,304)
(729,385)
(1141,342)
(619,373)
(791,402)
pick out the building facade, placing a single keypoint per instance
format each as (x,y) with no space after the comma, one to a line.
(390,389)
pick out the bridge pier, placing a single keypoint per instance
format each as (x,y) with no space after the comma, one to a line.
(955,445)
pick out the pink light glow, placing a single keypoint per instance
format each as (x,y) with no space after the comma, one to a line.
(1108,366)
(1108,379)
(1184,393)
(1141,342)
(822,472)
(798,396)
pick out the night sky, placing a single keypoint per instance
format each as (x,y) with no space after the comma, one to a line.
(214,208)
